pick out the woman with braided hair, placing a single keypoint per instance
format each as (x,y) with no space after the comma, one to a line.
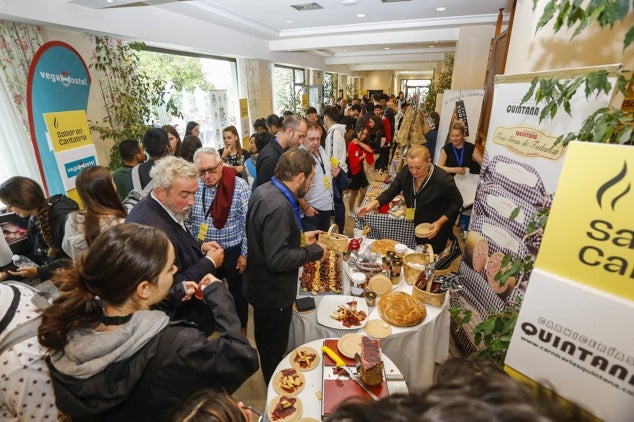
(47,218)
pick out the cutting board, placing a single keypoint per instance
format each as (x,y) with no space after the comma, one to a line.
(336,391)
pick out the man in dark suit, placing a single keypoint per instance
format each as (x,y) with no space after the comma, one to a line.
(167,206)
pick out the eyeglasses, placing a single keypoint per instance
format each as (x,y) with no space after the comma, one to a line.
(202,172)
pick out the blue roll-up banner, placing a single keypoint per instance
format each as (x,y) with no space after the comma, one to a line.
(57,98)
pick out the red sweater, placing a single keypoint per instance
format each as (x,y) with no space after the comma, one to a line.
(355,155)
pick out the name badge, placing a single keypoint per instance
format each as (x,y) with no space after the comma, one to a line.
(202,231)
(327,182)
(409,214)
(303,242)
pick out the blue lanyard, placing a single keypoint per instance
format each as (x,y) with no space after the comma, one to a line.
(290,198)
(455,153)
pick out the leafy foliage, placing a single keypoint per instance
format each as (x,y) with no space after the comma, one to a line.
(440,85)
(131,97)
(495,332)
(606,125)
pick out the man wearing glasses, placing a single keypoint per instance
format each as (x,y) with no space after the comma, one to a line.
(219,215)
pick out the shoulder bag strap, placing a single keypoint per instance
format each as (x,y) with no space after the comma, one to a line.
(136,178)
(8,316)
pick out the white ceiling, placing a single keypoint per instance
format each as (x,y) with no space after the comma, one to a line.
(406,35)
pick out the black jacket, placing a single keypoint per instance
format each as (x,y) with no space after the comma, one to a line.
(164,372)
(58,209)
(267,160)
(275,253)
(439,197)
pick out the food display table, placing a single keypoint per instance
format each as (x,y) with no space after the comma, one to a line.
(311,403)
(384,226)
(415,350)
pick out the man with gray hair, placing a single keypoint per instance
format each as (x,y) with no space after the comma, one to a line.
(219,215)
(175,184)
(291,135)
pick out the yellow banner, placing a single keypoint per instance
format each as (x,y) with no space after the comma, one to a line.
(590,232)
(528,142)
(244,108)
(68,129)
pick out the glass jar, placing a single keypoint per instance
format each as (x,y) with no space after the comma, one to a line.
(357,284)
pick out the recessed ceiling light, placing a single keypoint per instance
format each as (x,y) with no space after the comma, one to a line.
(290,21)
(109,1)
(361,15)
(441,9)
(432,46)
(386,48)
(349,2)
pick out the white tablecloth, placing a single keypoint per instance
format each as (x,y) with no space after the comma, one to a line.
(312,405)
(415,350)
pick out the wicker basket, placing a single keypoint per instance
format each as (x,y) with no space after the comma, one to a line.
(335,241)
(418,259)
(426,296)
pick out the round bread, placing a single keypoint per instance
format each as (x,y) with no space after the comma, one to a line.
(381,246)
(401,310)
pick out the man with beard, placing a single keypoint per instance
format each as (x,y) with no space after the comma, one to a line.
(278,246)
(175,184)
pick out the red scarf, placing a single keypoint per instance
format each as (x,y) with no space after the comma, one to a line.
(224,195)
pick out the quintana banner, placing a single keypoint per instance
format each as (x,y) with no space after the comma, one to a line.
(573,331)
(57,97)
(520,170)
(461,104)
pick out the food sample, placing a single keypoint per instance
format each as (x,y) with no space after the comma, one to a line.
(322,276)
(476,251)
(382,246)
(349,344)
(288,382)
(348,314)
(304,358)
(401,310)
(369,269)
(285,409)
(371,368)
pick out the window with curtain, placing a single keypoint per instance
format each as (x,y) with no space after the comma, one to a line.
(19,42)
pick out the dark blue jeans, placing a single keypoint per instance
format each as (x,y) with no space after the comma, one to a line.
(319,221)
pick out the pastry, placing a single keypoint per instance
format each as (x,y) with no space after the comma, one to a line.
(285,409)
(401,310)
(382,246)
(371,368)
(304,358)
(288,382)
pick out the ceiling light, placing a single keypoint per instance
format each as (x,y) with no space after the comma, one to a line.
(290,21)
(432,46)
(349,2)
(386,48)
(109,1)
(361,15)
(441,9)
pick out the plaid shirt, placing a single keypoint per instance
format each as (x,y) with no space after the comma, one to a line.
(234,231)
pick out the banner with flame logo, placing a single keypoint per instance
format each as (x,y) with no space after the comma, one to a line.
(57,97)
(573,330)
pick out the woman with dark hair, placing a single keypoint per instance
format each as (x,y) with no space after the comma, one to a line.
(115,359)
(175,144)
(47,218)
(102,210)
(359,152)
(233,154)
(273,123)
(191,144)
(250,173)
(260,125)
(192,128)
(212,406)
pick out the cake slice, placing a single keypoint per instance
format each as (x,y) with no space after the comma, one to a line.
(370,369)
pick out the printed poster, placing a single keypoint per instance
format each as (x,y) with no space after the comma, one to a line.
(573,331)
(519,173)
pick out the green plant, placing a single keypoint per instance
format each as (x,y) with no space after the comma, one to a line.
(441,83)
(131,97)
(607,124)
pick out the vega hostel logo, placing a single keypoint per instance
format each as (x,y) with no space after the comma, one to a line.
(63,77)
(610,246)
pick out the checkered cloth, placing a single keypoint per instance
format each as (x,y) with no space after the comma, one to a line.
(384,226)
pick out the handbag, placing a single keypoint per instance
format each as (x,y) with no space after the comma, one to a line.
(335,241)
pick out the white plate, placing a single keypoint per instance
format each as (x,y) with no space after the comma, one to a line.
(329,304)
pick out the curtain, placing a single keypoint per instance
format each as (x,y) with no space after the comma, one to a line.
(18,44)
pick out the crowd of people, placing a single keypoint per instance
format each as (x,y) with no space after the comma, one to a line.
(128,337)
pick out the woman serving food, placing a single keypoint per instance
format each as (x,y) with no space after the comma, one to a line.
(430,193)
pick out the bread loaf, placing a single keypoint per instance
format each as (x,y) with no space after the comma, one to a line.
(401,309)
